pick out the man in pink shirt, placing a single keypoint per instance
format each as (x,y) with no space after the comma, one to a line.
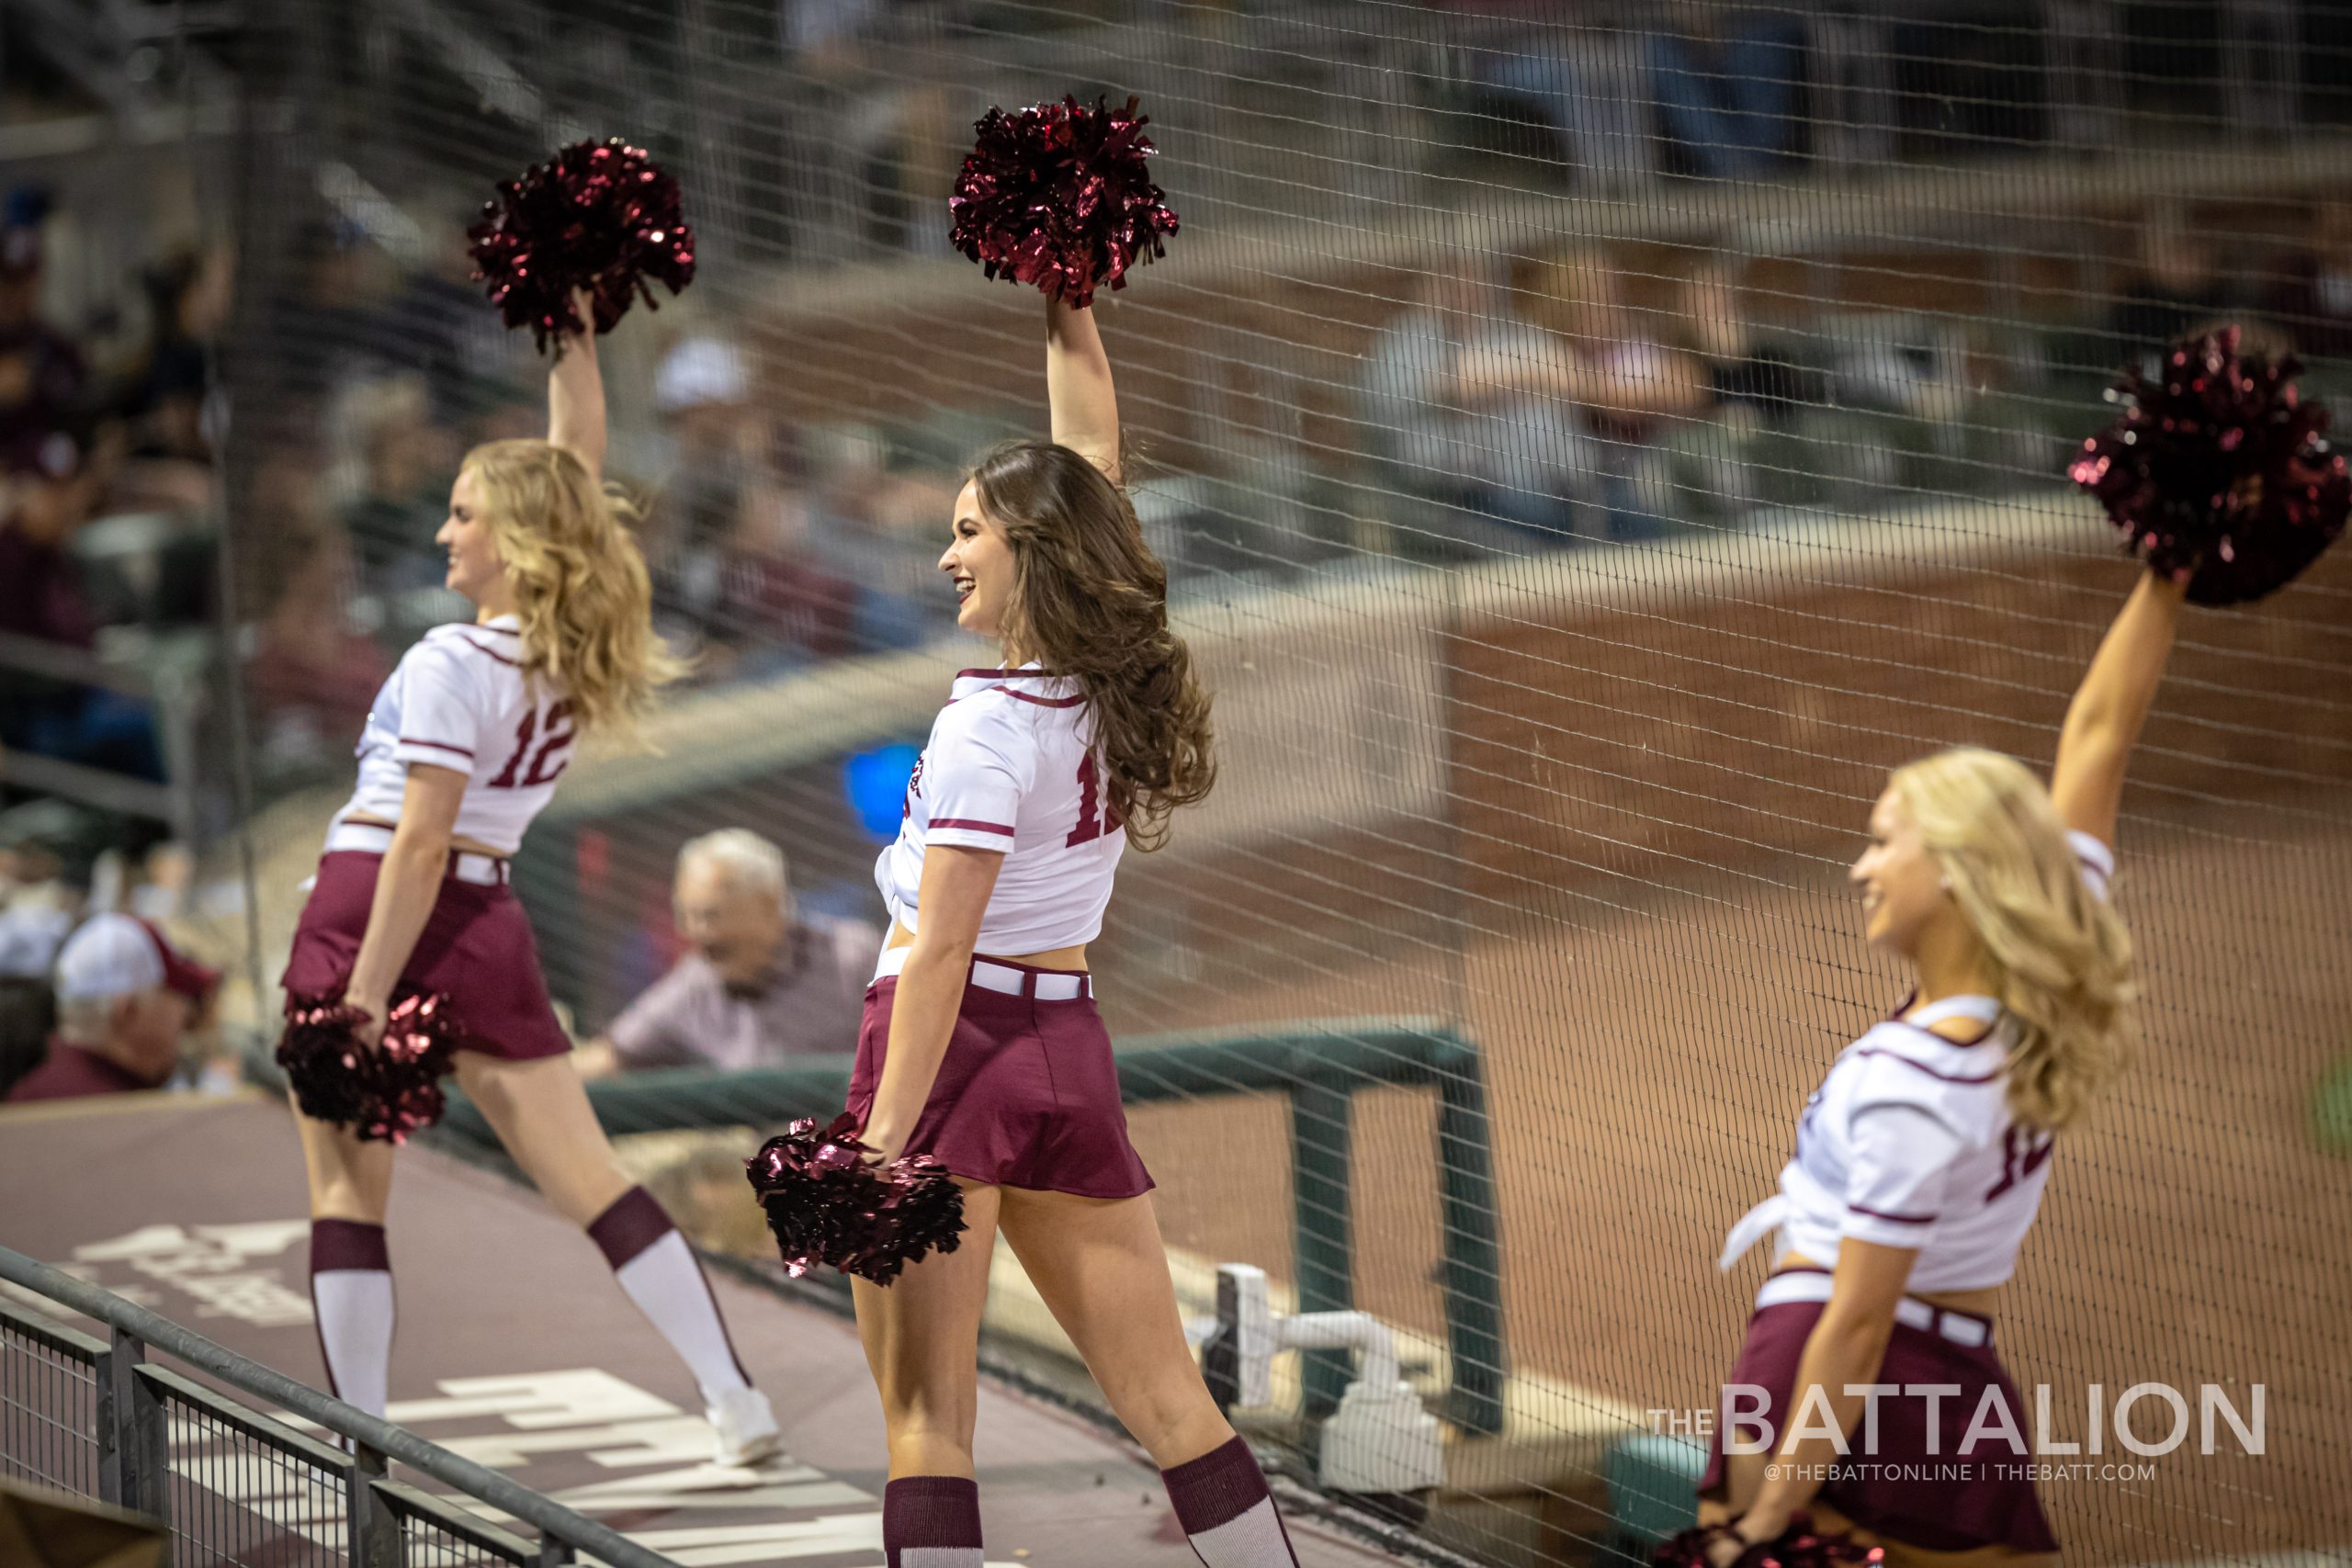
(764,980)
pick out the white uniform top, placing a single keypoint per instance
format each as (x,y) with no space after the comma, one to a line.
(1010,766)
(1908,1143)
(459,699)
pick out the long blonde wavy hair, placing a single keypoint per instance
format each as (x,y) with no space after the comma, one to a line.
(581,587)
(2060,960)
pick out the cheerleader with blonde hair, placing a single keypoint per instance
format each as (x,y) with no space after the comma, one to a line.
(1920,1161)
(461,750)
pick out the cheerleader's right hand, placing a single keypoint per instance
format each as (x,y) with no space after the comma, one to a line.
(882,1145)
(370,1031)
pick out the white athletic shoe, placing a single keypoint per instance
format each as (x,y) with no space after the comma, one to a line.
(744,1428)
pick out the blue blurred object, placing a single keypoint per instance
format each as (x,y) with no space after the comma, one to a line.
(876,782)
(27,206)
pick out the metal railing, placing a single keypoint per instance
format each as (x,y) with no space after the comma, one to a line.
(94,1417)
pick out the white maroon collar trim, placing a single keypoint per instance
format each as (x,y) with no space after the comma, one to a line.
(1049,691)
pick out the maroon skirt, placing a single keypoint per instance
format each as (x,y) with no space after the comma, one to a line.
(1027,1094)
(1906,1488)
(475,951)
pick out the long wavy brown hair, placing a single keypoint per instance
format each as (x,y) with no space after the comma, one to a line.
(1090,601)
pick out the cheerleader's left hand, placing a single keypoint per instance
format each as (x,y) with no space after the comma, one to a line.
(1725,1547)
(1758,1527)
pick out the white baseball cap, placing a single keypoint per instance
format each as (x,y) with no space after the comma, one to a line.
(699,372)
(116,955)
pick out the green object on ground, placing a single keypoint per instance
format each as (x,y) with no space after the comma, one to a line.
(2331,1111)
(1653,1487)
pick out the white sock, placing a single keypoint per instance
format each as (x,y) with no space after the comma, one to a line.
(666,1283)
(355,1308)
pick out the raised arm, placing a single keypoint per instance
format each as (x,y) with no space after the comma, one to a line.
(1078,387)
(576,398)
(2103,722)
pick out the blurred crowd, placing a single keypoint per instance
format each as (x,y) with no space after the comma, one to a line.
(770,545)
(1598,392)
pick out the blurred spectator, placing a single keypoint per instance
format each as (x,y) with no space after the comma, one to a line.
(43,382)
(437,324)
(2178,288)
(40,843)
(405,463)
(2312,299)
(28,1020)
(877,534)
(1724,78)
(1627,385)
(39,909)
(703,392)
(324,326)
(126,1000)
(172,381)
(1577,81)
(766,980)
(734,562)
(48,497)
(1744,387)
(1742,380)
(312,675)
(779,604)
(1463,397)
(47,502)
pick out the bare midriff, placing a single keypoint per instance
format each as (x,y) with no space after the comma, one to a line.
(1979,1301)
(1057,958)
(458,842)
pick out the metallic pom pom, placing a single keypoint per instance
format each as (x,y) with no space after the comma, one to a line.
(383,1094)
(2217,473)
(827,1206)
(1799,1546)
(1059,196)
(598,216)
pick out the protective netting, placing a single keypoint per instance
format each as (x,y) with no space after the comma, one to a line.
(1591,445)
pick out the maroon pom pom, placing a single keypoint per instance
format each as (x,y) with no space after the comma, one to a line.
(384,1093)
(1799,1546)
(1060,195)
(827,1206)
(598,216)
(2217,473)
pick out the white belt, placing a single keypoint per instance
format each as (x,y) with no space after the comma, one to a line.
(1810,1285)
(1754,1226)
(1012,979)
(368,838)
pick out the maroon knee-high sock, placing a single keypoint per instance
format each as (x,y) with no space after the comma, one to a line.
(1227,1514)
(931,1521)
